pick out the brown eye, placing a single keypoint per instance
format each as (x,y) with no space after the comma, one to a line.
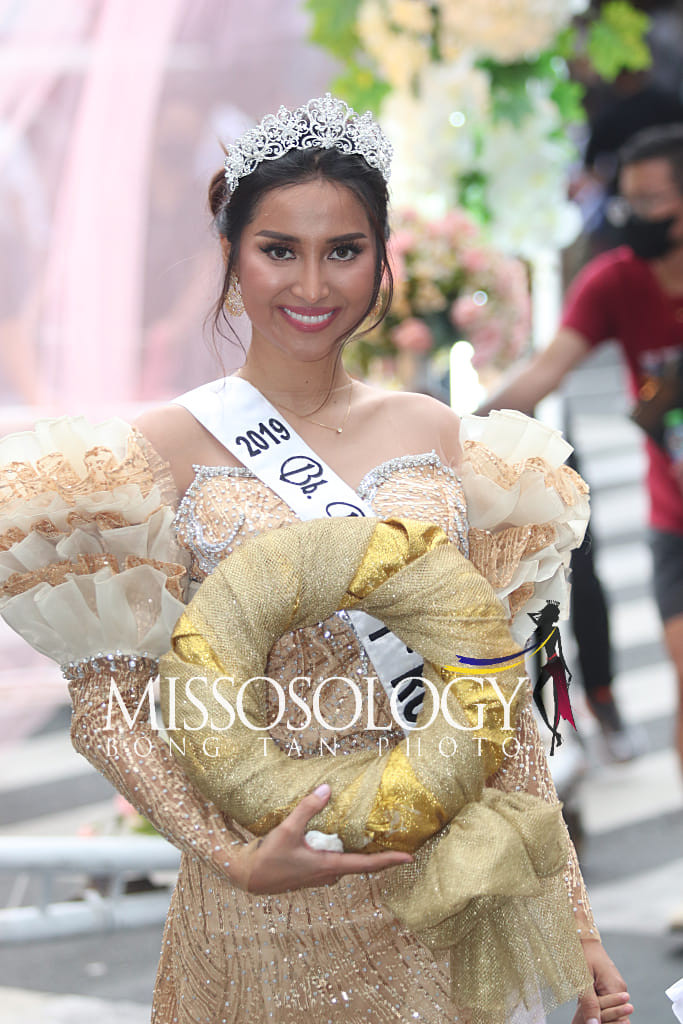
(278,252)
(344,253)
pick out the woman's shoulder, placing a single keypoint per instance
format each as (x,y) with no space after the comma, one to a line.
(426,423)
(181,441)
(418,404)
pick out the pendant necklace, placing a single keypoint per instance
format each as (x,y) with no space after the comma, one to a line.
(303,416)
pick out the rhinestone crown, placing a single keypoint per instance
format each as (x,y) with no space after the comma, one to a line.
(323,123)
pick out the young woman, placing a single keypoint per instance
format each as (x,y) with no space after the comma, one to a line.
(271,929)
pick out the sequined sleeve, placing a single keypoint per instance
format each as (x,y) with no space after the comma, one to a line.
(90,564)
(140,766)
(526,768)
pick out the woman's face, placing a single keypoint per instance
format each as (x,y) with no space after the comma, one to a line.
(306,268)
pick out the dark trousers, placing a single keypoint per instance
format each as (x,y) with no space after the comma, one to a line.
(590,619)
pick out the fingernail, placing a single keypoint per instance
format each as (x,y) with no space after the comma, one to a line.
(593,1020)
(324,790)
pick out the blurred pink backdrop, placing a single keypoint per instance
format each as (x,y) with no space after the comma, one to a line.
(111,112)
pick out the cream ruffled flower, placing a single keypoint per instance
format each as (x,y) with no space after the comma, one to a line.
(399,55)
(506,30)
(411,15)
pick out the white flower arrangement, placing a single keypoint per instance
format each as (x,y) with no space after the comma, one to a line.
(433,135)
(525,167)
(524,164)
(401,52)
(397,33)
(507,30)
(477,99)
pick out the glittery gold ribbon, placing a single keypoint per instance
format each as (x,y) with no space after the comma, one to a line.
(392,546)
(477,851)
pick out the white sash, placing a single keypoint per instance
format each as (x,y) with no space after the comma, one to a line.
(246,423)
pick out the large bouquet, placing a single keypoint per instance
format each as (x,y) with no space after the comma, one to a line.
(449,285)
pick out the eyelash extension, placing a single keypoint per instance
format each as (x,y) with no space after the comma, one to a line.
(272,246)
(353,247)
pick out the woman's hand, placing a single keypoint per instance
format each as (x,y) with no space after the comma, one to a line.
(282,860)
(608,1000)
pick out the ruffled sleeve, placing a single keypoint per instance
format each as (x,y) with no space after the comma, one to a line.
(527,512)
(89,563)
(91,574)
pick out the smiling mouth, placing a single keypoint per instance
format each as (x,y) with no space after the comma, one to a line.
(309,319)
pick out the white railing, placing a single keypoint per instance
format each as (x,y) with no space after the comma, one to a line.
(110,858)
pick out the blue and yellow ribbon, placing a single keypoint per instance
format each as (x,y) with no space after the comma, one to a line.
(467,666)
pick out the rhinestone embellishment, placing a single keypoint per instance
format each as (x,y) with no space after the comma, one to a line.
(322,123)
(111,663)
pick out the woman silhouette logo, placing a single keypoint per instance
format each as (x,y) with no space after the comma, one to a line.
(546,636)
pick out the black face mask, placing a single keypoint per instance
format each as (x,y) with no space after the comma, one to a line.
(649,239)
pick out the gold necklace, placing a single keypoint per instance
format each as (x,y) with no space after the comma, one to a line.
(304,416)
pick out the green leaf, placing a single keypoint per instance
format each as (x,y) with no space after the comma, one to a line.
(511,105)
(334,25)
(616,40)
(511,100)
(568,98)
(360,87)
(472,195)
(508,76)
(565,43)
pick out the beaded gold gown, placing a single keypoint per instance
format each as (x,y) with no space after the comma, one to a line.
(333,954)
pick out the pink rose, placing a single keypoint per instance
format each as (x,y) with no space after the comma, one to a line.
(486,342)
(475,260)
(407,215)
(465,313)
(397,265)
(402,241)
(412,335)
(458,224)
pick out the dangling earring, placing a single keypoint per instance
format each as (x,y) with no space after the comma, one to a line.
(377,308)
(233,300)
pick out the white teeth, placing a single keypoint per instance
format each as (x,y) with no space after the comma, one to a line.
(303,319)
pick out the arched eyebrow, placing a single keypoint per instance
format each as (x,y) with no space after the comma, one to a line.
(337,240)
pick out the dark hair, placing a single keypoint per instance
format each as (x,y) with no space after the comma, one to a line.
(233,213)
(660,142)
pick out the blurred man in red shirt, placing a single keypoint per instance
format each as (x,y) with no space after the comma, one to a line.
(634,295)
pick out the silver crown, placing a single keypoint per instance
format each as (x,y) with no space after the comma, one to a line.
(323,123)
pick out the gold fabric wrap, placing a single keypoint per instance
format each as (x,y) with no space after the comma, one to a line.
(486,882)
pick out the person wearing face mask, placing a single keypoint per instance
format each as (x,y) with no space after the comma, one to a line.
(634,294)
(649,238)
